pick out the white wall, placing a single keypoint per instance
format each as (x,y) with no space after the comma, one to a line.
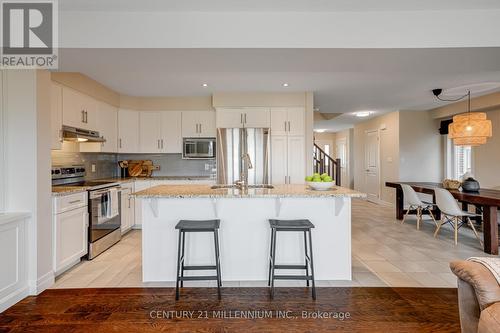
(486,158)
(420,147)
(348,135)
(27,169)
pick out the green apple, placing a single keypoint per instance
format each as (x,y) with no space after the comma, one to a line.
(324,175)
(309,178)
(327,179)
(316,175)
(316,179)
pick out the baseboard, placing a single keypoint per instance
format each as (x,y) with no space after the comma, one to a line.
(13,298)
(45,281)
(137,226)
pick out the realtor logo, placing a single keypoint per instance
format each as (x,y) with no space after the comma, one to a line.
(29,33)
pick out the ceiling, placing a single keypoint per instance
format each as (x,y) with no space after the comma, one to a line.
(343,80)
(274,5)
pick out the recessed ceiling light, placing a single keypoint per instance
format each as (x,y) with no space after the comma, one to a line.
(285,84)
(362,114)
(205,84)
(320,130)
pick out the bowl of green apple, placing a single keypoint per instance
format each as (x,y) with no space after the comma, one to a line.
(319,182)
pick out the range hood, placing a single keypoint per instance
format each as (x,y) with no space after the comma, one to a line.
(74,134)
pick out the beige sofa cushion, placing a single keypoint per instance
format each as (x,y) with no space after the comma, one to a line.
(480,278)
(489,322)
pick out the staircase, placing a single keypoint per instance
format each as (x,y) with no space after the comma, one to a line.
(323,163)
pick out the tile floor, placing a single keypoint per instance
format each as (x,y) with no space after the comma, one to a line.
(385,253)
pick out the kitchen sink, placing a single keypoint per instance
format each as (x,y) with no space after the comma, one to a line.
(265,186)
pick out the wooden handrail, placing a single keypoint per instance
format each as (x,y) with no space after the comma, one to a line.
(324,163)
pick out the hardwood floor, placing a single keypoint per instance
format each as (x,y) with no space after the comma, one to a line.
(154,309)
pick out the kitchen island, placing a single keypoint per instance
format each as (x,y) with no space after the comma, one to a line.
(244,231)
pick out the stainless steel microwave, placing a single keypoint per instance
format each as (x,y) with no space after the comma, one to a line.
(197,148)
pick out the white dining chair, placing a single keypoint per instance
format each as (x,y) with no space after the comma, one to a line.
(414,203)
(452,214)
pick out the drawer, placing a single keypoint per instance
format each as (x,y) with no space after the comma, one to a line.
(127,186)
(69,202)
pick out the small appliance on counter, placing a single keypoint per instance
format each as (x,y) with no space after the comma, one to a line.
(103,206)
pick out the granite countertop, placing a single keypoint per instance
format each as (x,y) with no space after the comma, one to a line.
(65,190)
(279,191)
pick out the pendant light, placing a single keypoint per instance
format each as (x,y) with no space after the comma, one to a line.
(470,128)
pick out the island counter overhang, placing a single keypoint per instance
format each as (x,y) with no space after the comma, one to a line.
(244,232)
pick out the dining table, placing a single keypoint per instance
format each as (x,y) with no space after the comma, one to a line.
(486,201)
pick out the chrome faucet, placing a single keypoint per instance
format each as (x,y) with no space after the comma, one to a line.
(247,165)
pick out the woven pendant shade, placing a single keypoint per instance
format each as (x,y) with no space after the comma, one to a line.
(470,129)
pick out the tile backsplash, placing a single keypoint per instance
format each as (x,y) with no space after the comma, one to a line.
(106,165)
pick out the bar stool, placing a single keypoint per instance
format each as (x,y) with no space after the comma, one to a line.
(185,226)
(304,226)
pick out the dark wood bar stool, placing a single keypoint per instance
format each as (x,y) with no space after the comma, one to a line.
(185,226)
(304,226)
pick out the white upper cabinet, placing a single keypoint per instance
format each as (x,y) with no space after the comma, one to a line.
(149,132)
(128,131)
(288,121)
(243,117)
(107,125)
(198,124)
(171,136)
(79,110)
(56,116)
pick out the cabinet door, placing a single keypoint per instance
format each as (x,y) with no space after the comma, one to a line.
(296,159)
(207,123)
(127,211)
(149,132)
(90,107)
(140,185)
(73,108)
(278,159)
(107,125)
(70,238)
(56,116)
(296,121)
(190,124)
(279,121)
(128,131)
(256,117)
(229,118)
(171,133)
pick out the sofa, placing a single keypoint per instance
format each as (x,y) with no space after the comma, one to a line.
(478,297)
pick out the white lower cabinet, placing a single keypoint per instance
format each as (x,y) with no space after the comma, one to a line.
(139,185)
(127,208)
(70,228)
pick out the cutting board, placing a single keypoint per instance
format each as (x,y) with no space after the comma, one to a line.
(140,168)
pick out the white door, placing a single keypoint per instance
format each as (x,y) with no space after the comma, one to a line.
(56,110)
(207,124)
(70,237)
(229,118)
(279,118)
(372,177)
(171,135)
(296,121)
(149,132)
(107,125)
(342,154)
(256,117)
(279,159)
(128,131)
(296,159)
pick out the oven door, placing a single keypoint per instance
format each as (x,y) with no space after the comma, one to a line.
(104,212)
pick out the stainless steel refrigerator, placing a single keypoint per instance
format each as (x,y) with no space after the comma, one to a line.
(232,146)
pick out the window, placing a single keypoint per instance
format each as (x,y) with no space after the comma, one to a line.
(458,160)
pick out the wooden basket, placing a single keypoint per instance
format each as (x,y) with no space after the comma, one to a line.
(451,184)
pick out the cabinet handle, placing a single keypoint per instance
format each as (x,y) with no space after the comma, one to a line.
(158,143)
(75,201)
(86,117)
(61,135)
(83,116)
(285,125)
(289,126)
(129,201)
(200,128)
(120,143)
(161,143)
(241,118)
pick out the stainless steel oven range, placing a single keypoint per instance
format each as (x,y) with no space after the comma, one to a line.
(104,206)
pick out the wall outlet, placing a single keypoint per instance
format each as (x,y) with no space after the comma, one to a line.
(92,167)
